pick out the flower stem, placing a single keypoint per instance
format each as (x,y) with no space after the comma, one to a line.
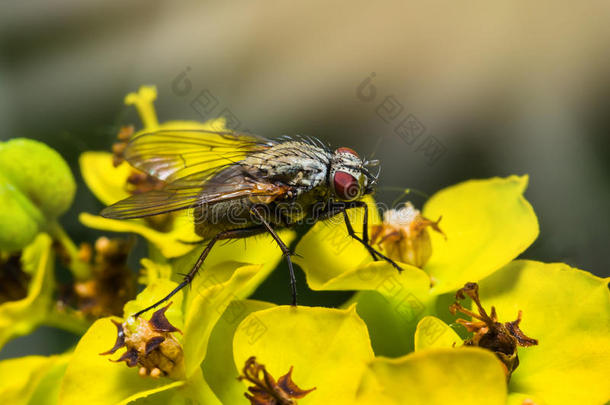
(66,321)
(80,270)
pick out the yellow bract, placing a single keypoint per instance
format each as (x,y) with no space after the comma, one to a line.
(431,332)
(568,311)
(219,367)
(107,182)
(327,348)
(20,317)
(487,222)
(435,377)
(170,244)
(92,379)
(31,380)
(327,251)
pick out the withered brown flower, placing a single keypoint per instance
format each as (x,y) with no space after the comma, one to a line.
(112,283)
(266,391)
(501,338)
(150,345)
(404,235)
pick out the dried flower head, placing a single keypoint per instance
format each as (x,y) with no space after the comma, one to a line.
(404,235)
(266,391)
(118,148)
(150,345)
(501,338)
(112,283)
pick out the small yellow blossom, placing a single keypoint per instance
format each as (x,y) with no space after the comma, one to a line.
(403,236)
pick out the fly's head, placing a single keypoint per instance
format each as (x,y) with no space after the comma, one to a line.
(351,177)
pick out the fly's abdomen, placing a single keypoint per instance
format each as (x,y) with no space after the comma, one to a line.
(213,218)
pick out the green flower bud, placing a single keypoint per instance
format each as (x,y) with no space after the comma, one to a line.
(19,225)
(39,173)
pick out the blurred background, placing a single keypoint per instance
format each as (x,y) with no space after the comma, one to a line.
(440,92)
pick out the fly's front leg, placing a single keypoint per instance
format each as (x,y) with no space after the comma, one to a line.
(365,234)
(285,251)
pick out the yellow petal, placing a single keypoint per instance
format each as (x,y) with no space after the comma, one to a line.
(20,317)
(211,293)
(143,100)
(516,398)
(261,249)
(169,243)
(432,332)
(568,311)
(328,349)
(435,376)
(46,392)
(219,366)
(487,223)
(326,251)
(396,302)
(104,180)
(22,378)
(154,291)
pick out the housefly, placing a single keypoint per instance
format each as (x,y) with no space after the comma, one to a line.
(239,185)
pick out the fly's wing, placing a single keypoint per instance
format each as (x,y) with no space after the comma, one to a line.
(195,189)
(172,154)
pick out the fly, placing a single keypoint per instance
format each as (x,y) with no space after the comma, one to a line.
(240,185)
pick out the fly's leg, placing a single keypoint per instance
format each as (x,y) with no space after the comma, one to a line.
(285,251)
(230,234)
(365,235)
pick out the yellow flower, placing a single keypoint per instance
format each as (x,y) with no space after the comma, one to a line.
(567,310)
(111,184)
(403,236)
(195,313)
(485,224)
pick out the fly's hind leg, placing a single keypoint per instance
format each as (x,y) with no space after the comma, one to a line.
(285,251)
(365,234)
(230,234)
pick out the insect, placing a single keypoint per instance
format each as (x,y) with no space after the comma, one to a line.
(240,185)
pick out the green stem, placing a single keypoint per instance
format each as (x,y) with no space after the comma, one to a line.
(80,270)
(66,321)
(198,390)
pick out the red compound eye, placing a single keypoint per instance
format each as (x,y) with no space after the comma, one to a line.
(346,186)
(346,150)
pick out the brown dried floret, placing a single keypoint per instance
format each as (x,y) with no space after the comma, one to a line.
(501,338)
(150,345)
(265,390)
(118,148)
(404,235)
(112,283)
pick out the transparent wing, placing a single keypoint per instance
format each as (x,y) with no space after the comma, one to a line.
(194,190)
(172,154)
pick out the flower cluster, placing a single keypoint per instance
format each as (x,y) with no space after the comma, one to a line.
(398,340)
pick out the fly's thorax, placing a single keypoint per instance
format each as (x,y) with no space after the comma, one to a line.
(299,164)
